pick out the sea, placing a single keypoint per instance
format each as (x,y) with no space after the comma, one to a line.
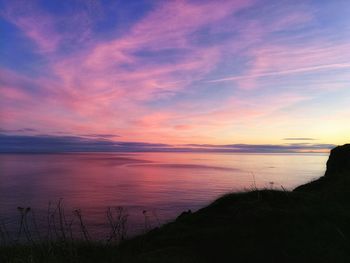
(150,188)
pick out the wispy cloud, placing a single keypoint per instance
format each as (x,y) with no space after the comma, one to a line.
(101,136)
(286,72)
(22,130)
(51,32)
(299,139)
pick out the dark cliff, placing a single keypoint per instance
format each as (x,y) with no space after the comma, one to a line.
(335,184)
(338,163)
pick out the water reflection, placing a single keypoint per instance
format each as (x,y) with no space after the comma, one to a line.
(163,183)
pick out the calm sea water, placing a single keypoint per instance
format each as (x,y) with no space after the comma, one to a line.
(163,184)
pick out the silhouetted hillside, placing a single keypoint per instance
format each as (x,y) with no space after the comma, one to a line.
(310,224)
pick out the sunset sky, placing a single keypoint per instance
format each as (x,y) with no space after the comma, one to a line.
(176,73)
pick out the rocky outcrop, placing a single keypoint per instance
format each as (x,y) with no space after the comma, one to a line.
(337,176)
(338,163)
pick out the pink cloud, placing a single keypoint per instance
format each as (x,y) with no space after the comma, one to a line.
(100,73)
(36,25)
(49,32)
(105,87)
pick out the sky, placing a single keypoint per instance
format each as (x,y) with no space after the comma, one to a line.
(265,75)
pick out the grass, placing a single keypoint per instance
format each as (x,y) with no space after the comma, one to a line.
(275,226)
(268,225)
(62,239)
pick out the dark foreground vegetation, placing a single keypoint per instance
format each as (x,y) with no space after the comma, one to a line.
(309,224)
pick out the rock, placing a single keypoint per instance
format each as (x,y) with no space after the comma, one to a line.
(337,176)
(339,161)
